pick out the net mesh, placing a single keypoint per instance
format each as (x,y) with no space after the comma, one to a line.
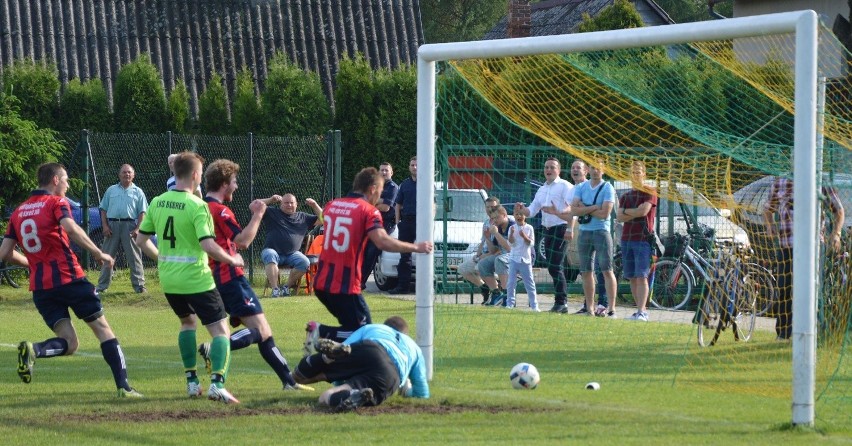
(713,124)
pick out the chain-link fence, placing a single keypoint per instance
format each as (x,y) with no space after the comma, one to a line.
(307,167)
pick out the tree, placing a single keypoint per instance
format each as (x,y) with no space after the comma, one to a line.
(213,108)
(84,105)
(620,15)
(355,114)
(177,107)
(36,85)
(396,120)
(246,110)
(459,20)
(139,98)
(293,102)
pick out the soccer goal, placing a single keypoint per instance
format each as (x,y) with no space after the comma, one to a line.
(712,109)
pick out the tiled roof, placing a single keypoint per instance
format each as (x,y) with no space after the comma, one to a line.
(190,39)
(553,17)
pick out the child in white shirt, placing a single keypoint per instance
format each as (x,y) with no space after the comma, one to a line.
(522,238)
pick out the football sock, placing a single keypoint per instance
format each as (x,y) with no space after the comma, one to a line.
(115,358)
(335,399)
(188,352)
(245,337)
(50,348)
(191,376)
(220,355)
(276,360)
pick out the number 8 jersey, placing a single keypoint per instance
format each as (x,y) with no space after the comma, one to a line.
(35,226)
(347,223)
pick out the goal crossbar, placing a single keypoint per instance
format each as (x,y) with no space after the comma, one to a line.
(803,24)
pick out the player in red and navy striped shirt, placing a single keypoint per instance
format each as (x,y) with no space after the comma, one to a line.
(240,300)
(348,223)
(41,226)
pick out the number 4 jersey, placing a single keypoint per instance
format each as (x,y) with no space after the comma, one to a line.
(181,221)
(347,223)
(35,226)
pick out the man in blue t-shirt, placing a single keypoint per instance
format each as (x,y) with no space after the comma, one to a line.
(386,206)
(592,204)
(374,362)
(285,231)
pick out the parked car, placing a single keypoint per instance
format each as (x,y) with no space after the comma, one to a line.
(460,215)
(753,196)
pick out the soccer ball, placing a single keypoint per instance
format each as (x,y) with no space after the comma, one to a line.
(524,376)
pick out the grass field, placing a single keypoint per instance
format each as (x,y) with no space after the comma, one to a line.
(71,399)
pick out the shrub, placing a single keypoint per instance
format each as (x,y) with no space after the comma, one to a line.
(84,105)
(396,121)
(177,108)
(36,85)
(139,98)
(293,102)
(355,115)
(246,114)
(213,108)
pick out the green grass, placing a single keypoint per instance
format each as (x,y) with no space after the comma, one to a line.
(71,399)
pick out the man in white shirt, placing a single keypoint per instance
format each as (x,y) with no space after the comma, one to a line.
(556,193)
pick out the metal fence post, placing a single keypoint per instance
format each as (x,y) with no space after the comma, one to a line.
(251,196)
(83,144)
(338,163)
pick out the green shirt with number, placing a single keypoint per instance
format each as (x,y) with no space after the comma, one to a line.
(181,221)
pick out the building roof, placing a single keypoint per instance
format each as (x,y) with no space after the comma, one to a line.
(554,17)
(191,39)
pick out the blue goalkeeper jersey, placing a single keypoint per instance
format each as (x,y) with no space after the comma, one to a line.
(403,351)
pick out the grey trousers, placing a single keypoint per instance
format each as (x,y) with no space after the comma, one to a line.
(132,253)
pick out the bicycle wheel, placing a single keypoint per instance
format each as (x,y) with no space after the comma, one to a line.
(673,285)
(14,276)
(744,288)
(767,291)
(708,318)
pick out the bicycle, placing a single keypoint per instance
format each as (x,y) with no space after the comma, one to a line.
(12,274)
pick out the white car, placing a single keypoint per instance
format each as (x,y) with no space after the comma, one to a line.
(673,221)
(463,211)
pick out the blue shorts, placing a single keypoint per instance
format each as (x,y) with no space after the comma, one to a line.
(79,295)
(295,259)
(239,299)
(595,245)
(636,258)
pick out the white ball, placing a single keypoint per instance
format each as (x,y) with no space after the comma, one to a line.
(524,376)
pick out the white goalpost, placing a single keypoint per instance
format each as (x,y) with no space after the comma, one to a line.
(804,24)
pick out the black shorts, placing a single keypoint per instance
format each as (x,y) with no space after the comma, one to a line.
(207,305)
(351,310)
(239,299)
(53,304)
(367,366)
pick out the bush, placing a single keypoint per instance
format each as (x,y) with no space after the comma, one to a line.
(84,105)
(396,121)
(213,108)
(293,102)
(36,85)
(177,108)
(139,98)
(355,115)
(23,147)
(246,112)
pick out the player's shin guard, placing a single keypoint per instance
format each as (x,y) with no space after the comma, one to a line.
(276,360)
(115,358)
(186,343)
(220,355)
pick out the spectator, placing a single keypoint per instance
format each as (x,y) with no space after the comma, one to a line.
(386,206)
(592,204)
(406,218)
(468,268)
(637,209)
(240,301)
(375,362)
(350,221)
(781,202)
(122,209)
(285,232)
(496,259)
(184,227)
(41,226)
(556,194)
(521,239)
(171,182)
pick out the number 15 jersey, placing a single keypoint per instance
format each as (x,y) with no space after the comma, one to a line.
(347,223)
(181,221)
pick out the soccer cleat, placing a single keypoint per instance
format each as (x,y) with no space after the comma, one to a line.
(332,349)
(221,394)
(298,388)
(26,360)
(311,337)
(357,398)
(204,351)
(193,389)
(132,393)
